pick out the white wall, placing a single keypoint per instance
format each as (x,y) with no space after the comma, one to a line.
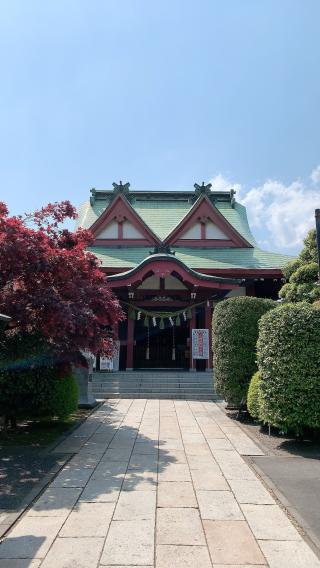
(109,232)
(130,232)
(213,232)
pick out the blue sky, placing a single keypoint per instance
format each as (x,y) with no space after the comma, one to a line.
(163,94)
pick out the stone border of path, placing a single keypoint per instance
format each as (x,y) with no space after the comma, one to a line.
(8,519)
(290,510)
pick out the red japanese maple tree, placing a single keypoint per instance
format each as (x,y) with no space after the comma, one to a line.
(50,284)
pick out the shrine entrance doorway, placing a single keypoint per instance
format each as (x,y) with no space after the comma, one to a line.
(166,348)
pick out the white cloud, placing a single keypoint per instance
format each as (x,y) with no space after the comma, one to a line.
(220,183)
(280,215)
(315,175)
(284,212)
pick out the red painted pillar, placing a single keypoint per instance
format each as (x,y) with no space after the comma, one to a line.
(192,325)
(208,325)
(130,340)
(250,289)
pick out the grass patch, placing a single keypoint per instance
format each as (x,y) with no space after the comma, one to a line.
(39,433)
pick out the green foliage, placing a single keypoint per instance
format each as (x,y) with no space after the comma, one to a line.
(305,274)
(290,268)
(253,397)
(288,360)
(65,397)
(302,274)
(309,252)
(234,338)
(32,384)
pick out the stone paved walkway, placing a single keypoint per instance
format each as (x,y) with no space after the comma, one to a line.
(156,484)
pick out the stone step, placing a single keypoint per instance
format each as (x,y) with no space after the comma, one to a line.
(138,384)
(160,395)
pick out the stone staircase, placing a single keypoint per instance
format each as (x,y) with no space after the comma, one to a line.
(154,384)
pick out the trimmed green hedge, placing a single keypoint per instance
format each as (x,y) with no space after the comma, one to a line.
(32,383)
(254,396)
(234,338)
(38,393)
(289,362)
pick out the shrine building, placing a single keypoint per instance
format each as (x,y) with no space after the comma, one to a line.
(170,256)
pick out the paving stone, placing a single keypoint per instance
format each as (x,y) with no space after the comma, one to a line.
(179,526)
(172,456)
(86,461)
(20,563)
(138,480)
(129,543)
(171,556)
(193,438)
(105,491)
(176,494)
(232,542)
(235,566)
(72,477)
(171,444)
(233,465)
(197,449)
(243,444)
(55,502)
(284,554)
(204,462)
(220,444)
(250,491)
(120,454)
(269,522)
(219,506)
(208,480)
(145,448)
(136,506)
(213,433)
(110,470)
(175,472)
(143,462)
(74,553)
(30,538)
(88,520)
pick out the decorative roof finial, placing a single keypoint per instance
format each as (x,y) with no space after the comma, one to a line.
(203,189)
(120,188)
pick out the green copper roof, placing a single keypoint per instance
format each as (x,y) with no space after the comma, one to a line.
(195,257)
(163,215)
(162,211)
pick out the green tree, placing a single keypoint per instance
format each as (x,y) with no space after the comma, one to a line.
(301,274)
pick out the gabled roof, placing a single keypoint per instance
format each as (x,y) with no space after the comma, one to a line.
(203,207)
(120,207)
(162,211)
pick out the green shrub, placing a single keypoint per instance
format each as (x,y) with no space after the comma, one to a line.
(234,338)
(253,397)
(32,383)
(301,274)
(36,393)
(305,274)
(289,362)
(65,397)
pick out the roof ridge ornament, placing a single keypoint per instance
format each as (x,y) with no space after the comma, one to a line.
(162,249)
(203,188)
(121,188)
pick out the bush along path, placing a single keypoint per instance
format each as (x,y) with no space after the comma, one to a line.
(162,484)
(234,339)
